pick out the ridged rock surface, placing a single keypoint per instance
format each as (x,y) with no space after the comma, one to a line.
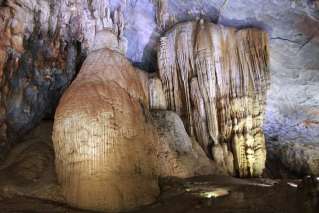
(216,79)
(103,138)
(179,155)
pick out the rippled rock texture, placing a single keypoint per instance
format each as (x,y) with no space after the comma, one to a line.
(179,155)
(293,26)
(216,79)
(103,138)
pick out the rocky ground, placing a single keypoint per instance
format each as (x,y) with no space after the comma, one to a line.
(193,195)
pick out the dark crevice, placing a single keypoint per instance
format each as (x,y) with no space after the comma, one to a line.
(285,39)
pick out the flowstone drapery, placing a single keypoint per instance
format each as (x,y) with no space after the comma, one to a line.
(216,79)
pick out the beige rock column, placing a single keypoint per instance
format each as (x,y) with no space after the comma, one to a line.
(102,136)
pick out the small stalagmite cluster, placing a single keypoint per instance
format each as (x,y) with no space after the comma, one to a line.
(216,79)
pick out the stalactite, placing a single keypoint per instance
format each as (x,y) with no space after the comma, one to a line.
(162,15)
(207,79)
(184,71)
(199,115)
(216,79)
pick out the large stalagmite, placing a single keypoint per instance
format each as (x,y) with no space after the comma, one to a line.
(102,135)
(103,138)
(216,79)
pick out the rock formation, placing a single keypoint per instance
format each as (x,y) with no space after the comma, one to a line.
(105,136)
(61,32)
(102,138)
(156,94)
(29,168)
(162,15)
(44,42)
(216,79)
(178,155)
(103,133)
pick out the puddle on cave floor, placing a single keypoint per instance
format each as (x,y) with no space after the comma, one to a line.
(36,191)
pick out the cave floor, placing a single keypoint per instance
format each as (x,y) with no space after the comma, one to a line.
(190,195)
(28,184)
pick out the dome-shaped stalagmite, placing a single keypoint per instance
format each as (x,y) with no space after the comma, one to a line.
(216,79)
(102,137)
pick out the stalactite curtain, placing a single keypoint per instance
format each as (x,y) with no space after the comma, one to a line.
(216,79)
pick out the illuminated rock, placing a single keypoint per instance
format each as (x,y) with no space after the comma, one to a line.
(103,138)
(178,155)
(156,94)
(216,79)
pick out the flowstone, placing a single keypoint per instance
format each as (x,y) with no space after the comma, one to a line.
(216,79)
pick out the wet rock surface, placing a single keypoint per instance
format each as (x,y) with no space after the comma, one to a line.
(216,78)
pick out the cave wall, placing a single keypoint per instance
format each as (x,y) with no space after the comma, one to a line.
(43,44)
(40,52)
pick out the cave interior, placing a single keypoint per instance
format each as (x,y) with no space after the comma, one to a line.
(159,106)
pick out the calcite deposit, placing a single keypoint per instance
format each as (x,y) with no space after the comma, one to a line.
(104,134)
(102,138)
(216,79)
(178,154)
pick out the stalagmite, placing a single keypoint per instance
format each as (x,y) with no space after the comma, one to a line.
(102,139)
(216,79)
(103,136)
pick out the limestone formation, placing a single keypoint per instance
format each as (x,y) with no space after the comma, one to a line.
(156,94)
(119,22)
(216,79)
(162,15)
(103,137)
(178,155)
(31,162)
